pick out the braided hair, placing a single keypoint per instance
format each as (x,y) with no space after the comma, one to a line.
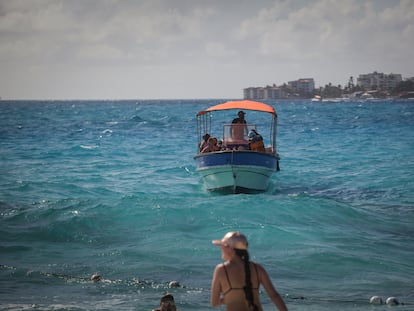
(248,291)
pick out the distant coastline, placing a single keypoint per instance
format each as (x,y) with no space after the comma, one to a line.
(198,100)
(368,86)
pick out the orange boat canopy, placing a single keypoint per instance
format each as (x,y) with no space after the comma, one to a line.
(242,105)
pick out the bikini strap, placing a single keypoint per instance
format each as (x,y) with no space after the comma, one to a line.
(227,276)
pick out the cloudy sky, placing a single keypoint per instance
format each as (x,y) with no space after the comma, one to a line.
(161,49)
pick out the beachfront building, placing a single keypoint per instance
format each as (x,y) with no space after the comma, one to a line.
(253,93)
(378,81)
(268,92)
(303,86)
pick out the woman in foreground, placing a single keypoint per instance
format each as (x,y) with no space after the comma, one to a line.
(236,282)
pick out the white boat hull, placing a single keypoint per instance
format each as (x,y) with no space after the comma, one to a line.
(236,178)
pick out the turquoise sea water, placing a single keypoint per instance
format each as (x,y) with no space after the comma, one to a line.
(110,187)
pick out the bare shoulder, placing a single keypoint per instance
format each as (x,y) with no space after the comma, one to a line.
(261,271)
(259,267)
(219,269)
(220,265)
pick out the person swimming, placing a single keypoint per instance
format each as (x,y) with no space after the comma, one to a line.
(167,303)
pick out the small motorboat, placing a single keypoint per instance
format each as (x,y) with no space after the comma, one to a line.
(316,98)
(247,157)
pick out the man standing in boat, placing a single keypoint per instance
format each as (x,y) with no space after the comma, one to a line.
(239,127)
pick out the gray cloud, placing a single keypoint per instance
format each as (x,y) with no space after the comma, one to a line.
(194,49)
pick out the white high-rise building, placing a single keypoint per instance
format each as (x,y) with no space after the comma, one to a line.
(303,85)
(379,81)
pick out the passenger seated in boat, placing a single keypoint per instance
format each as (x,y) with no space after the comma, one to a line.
(239,128)
(220,145)
(167,303)
(211,145)
(256,141)
(204,143)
